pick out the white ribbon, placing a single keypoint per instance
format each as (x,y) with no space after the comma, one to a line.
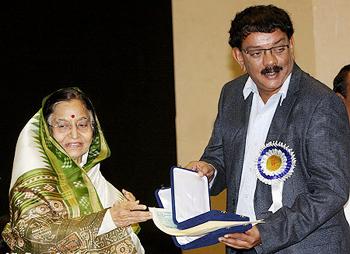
(274,165)
(276,191)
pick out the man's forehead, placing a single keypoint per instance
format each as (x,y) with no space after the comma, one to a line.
(265,38)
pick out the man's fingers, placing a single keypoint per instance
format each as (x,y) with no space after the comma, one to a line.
(235,243)
(239,240)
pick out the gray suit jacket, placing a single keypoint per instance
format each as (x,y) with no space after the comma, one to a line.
(313,122)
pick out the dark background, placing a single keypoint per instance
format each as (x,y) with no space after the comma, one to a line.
(122,57)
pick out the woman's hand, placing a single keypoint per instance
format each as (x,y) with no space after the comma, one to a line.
(128,195)
(129,211)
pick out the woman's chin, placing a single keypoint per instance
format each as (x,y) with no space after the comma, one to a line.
(76,156)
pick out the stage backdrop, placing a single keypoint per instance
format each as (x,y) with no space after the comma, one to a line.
(122,57)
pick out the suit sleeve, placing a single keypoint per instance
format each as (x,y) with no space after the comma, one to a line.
(213,153)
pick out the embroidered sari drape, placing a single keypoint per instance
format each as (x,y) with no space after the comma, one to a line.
(54,206)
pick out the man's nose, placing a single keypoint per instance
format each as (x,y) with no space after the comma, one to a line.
(269,58)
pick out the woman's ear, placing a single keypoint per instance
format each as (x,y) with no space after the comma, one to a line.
(238,56)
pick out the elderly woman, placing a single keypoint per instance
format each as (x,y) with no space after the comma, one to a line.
(59,200)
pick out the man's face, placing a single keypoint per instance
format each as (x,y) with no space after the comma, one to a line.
(268,59)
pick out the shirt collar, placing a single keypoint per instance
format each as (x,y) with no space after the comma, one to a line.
(250,87)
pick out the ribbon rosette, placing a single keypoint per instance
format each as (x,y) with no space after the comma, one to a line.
(275,163)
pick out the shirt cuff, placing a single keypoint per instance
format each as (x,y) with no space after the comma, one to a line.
(107,224)
(212,180)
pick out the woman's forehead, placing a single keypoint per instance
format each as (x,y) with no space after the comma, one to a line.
(72,109)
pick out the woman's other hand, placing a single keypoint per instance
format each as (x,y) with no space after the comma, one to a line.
(129,211)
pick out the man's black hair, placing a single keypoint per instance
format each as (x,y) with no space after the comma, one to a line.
(259,18)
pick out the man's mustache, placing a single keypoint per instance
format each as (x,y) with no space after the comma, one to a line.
(271,69)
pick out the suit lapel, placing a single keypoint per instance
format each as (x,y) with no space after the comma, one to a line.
(280,118)
(263,197)
(238,141)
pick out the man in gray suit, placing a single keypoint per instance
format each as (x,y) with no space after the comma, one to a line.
(280,145)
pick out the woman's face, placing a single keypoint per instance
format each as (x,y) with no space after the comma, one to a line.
(71,126)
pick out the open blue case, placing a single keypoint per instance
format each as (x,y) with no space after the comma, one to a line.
(188,198)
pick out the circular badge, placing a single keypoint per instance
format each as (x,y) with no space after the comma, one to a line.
(275,163)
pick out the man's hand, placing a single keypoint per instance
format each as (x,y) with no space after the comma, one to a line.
(129,211)
(203,168)
(246,240)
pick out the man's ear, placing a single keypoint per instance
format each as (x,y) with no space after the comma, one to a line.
(341,96)
(238,56)
(291,46)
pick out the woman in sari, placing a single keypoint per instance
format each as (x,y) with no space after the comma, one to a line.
(59,200)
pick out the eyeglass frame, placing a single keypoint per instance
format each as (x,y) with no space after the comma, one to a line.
(70,126)
(263,50)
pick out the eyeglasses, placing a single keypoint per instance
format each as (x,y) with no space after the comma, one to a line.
(257,53)
(63,126)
